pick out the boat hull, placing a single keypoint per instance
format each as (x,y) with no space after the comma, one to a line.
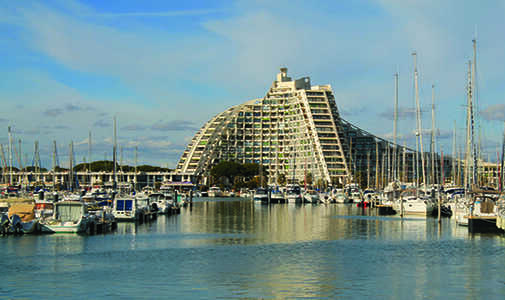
(64,227)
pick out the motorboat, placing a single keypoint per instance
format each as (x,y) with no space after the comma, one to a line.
(261,195)
(310,196)
(215,191)
(126,209)
(22,218)
(412,202)
(162,203)
(68,217)
(294,194)
(353,191)
(277,196)
(339,196)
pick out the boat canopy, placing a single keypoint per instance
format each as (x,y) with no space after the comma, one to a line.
(69,212)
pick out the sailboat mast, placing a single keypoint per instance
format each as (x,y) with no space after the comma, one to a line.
(20,164)
(136,162)
(368,169)
(475,100)
(89,156)
(395,126)
(469,179)
(454,173)
(432,144)
(376,165)
(419,121)
(10,156)
(476,152)
(502,176)
(54,165)
(71,166)
(114,150)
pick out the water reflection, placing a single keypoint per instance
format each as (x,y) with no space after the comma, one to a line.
(237,248)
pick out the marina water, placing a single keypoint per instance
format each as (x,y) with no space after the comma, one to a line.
(235,248)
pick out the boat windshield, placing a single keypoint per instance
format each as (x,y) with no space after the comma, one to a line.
(261,192)
(69,213)
(294,190)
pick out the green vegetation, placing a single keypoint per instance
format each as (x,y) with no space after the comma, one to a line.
(237,175)
(108,166)
(32,169)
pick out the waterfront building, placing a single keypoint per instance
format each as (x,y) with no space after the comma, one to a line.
(295,130)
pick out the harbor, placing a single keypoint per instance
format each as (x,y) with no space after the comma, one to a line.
(252,150)
(235,247)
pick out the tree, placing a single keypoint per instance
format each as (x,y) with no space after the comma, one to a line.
(281,179)
(232,173)
(308,178)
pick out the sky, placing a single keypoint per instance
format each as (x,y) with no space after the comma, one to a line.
(164,68)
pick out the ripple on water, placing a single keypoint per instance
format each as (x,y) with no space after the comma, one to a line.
(236,249)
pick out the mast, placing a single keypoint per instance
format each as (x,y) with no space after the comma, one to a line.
(419,139)
(432,143)
(376,165)
(395,126)
(4,163)
(114,150)
(36,158)
(405,169)
(502,176)
(71,166)
(54,165)
(368,169)
(351,162)
(454,173)
(477,149)
(89,157)
(18,157)
(471,159)
(476,152)
(136,162)
(10,155)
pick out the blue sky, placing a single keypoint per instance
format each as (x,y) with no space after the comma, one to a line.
(166,67)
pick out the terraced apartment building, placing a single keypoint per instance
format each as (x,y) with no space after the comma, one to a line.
(294,130)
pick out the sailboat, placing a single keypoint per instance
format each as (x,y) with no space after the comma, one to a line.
(415,201)
(464,205)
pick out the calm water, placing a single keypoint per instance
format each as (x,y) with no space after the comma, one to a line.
(239,249)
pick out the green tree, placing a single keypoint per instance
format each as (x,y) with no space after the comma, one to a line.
(281,179)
